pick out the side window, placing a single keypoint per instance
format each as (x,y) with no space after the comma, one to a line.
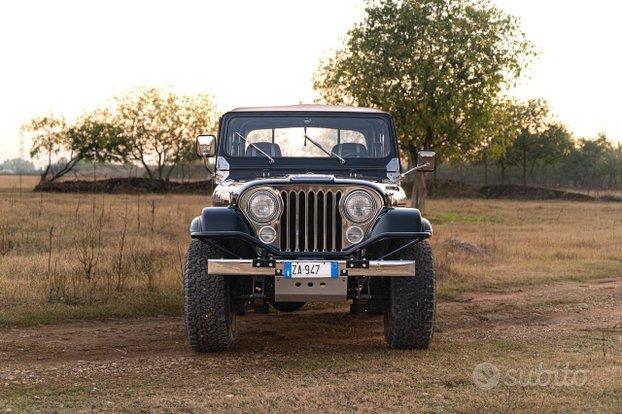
(378,145)
(235,146)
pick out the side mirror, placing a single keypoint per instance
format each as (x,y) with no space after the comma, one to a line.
(206,145)
(426,161)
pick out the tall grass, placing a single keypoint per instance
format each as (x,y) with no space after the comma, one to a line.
(60,254)
(81,256)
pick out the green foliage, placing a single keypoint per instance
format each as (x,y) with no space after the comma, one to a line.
(96,138)
(550,158)
(146,125)
(503,129)
(48,139)
(47,134)
(538,140)
(91,138)
(19,166)
(595,162)
(160,127)
(436,65)
(521,134)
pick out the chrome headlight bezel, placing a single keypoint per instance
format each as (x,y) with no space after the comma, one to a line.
(347,213)
(277,204)
(271,230)
(377,204)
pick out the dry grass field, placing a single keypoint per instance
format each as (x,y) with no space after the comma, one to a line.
(13,183)
(530,287)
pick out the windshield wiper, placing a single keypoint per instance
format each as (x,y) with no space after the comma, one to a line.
(256,147)
(327,152)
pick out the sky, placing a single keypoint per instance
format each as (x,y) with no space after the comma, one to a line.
(68,57)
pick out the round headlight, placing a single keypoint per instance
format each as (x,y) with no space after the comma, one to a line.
(263,207)
(359,206)
(354,234)
(267,234)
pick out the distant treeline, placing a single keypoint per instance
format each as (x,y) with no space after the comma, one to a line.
(145,128)
(552,158)
(18,166)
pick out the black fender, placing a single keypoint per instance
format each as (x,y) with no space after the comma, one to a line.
(403,226)
(426,226)
(401,220)
(217,222)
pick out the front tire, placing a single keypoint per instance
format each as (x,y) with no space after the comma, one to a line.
(409,319)
(209,314)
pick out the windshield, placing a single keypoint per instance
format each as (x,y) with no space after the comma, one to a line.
(308,137)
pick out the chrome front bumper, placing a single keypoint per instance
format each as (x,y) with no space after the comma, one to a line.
(249,267)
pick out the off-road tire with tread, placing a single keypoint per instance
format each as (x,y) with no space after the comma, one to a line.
(209,314)
(409,319)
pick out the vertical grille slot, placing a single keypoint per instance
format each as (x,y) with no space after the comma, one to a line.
(311,221)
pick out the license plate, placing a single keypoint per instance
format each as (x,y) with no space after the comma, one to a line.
(305,268)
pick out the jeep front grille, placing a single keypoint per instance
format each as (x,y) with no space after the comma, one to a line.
(310,221)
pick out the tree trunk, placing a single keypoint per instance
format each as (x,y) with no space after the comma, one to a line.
(65,170)
(142,161)
(419,188)
(170,171)
(419,191)
(45,172)
(485,168)
(524,166)
(502,168)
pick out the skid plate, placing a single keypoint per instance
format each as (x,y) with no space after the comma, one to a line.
(310,289)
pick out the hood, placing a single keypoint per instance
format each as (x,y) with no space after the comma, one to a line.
(386,172)
(228,191)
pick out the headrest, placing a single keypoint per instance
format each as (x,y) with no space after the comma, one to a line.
(269,148)
(350,150)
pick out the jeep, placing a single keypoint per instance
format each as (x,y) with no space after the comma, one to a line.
(308,207)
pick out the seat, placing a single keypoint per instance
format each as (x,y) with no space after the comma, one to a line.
(350,150)
(269,148)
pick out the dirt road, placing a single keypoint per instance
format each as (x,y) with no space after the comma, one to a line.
(327,360)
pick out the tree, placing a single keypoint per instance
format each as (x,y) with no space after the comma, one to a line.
(502,131)
(47,138)
(160,127)
(436,65)
(614,165)
(91,138)
(95,137)
(594,160)
(19,166)
(539,141)
(530,120)
(556,143)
